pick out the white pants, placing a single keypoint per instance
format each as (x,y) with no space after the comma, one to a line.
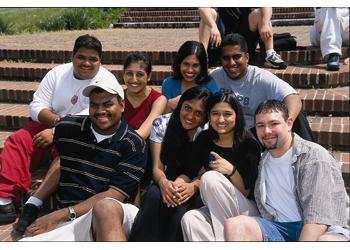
(80,228)
(330,30)
(222,200)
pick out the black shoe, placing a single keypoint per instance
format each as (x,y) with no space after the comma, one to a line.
(27,217)
(333,61)
(7,213)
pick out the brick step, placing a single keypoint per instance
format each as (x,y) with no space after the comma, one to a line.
(293,15)
(307,76)
(195,24)
(156,25)
(315,101)
(331,131)
(179,17)
(302,55)
(292,9)
(13,116)
(294,12)
(328,131)
(326,101)
(159,18)
(161,12)
(292,21)
(275,9)
(17,92)
(160,8)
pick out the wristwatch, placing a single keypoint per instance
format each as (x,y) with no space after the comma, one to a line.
(71,213)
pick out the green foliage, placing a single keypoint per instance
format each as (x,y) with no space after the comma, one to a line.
(53,19)
(6,27)
(81,18)
(52,24)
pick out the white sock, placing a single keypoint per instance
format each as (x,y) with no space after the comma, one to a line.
(5,201)
(269,52)
(35,201)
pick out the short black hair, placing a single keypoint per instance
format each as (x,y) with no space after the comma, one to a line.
(234,39)
(89,42)
(273,106)
(138,57)
(197,49)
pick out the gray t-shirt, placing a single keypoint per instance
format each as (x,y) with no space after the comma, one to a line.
(255,87)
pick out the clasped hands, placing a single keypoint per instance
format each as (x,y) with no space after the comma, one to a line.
(175,193)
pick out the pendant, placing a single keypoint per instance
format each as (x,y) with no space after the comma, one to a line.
(74,99)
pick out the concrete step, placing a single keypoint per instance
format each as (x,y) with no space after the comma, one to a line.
(315,101)
(302,55)
(307,76)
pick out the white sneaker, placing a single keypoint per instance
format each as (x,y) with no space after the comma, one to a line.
(275,61)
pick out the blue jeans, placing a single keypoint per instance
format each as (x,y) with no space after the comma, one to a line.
(279,231)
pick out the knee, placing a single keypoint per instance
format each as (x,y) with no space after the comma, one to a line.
(330,237)
(235,226)
(211,181)
(107,208)
(187,218)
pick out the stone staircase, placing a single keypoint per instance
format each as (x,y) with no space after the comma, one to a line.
(162,17)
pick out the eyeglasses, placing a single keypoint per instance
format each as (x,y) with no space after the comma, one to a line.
(235,58)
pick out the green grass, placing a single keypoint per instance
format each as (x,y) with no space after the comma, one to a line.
(28,19)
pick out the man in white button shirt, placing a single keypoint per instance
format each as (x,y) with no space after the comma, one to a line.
(299,191)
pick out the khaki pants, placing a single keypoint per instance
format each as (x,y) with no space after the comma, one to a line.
(222,200)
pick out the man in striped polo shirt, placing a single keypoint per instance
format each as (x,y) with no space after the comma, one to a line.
(100,157)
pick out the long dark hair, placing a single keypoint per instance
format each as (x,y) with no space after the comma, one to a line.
(175,139)
(187,49)
(239,132)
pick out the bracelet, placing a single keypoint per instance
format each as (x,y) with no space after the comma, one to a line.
(233,171)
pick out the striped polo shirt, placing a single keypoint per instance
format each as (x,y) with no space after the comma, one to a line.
(88,167)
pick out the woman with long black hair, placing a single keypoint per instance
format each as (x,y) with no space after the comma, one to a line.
(175,186)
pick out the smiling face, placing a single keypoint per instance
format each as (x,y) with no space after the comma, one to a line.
(273,130)
(135,77)
(190,69)
(192,114)
(86,63)
(234,61)
(222,118)
(105,112)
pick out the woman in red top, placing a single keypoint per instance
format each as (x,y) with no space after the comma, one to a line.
(142,103)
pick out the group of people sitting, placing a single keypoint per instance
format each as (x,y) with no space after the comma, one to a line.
(219,153)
